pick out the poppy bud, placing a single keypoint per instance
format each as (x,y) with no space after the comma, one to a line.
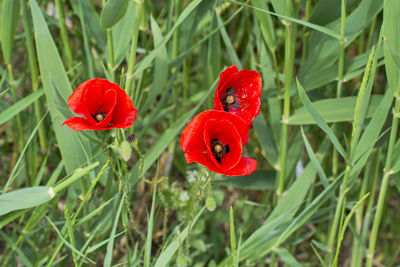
(210,203)
(131,138)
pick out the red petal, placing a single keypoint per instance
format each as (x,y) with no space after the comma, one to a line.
(91,96)
(192,135)
(109,103)
(203,159)
(76,100)
(246,166)
(94,98)
(124,112)
(247,85)
(226,133)
(79,124)
(226,74)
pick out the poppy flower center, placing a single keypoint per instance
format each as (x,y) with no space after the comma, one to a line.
(218,149)
(229,99)
(99,115)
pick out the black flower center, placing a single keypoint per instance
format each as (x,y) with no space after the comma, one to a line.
(229,99)
(99,115)
(218,149)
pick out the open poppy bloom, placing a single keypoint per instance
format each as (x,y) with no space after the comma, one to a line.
(215,139)
(103,105)
(239,92)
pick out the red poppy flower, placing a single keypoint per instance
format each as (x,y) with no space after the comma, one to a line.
(103,104)
(239,92)
(215,139)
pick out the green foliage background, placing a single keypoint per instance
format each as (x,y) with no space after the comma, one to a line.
(326,192)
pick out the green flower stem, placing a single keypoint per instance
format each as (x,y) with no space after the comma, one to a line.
(276,68)
(175,44)
(18,124)
(306,35)
(86,44)
(339,86)
(130,81)
(338,212)
(373,173)
(384,185)
(34,73)
(371,33)
(196,194)
(289,66)
(111,64)
(64,33)
(125,189)
(335,156)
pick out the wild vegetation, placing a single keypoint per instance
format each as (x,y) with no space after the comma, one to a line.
(326,188)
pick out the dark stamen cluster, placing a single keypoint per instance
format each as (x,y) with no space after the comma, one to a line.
(99,115)
(229,99)
(219,149)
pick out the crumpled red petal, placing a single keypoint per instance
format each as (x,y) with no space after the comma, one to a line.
(247,85)
(124,112)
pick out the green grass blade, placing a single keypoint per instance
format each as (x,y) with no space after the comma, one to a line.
(110,244)
(320,120)
(21,156)
(150,226)
(112,12)
(258,180)
(92,20)
(315,27)
(314,160)
(52,70)
(19,251)
(265,139)
(9,23)
(287,257)
(16,108)
(172,248)
(66,242)
(146,61)
(334,110)
(232,234)
(160,68)
(122,33)
(344,227)
(25,198)
(371,134)
(228,43)
(267,26)
(323,49)
(391,42)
